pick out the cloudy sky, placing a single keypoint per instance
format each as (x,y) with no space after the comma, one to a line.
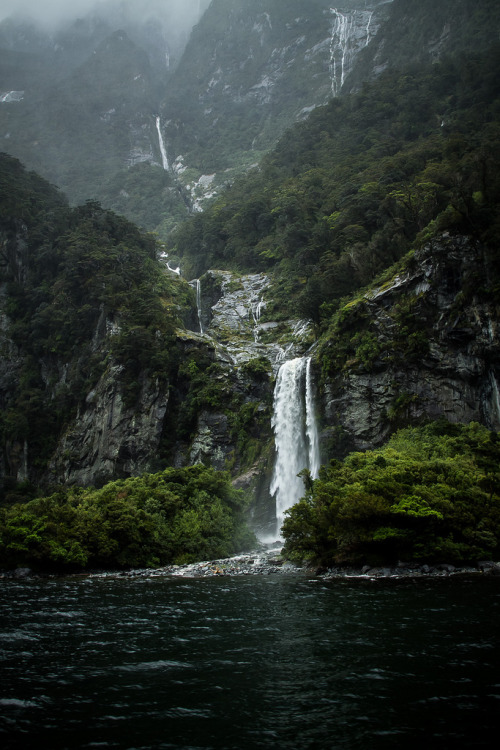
(52,11)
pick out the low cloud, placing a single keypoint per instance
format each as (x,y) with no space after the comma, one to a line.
(51,13)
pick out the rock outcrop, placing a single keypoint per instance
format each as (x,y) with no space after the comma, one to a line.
(109,439)
(452,370)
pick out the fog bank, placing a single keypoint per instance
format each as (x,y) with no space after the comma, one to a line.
(53,13)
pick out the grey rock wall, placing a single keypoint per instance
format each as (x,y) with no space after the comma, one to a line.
(109,439)
(457,378)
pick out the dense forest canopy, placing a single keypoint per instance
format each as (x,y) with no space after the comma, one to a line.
(71,277)
(176,516)
(431,494)
(365,180)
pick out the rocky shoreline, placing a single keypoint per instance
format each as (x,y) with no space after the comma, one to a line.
(268,561)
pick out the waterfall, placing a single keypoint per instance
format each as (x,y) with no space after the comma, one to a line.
(164,159)
(197,285)
(350,32)
(256,313)
(495,398)
(257,310)
(311,425)
(370,16)
(174,270)
(296,434)
(338,49)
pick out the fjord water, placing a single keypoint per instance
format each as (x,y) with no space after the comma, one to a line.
(280,661)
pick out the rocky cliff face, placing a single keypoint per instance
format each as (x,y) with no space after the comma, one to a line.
(435,351)
(216,410)
(251,70)
(108,439)
(82,110)
(424,34)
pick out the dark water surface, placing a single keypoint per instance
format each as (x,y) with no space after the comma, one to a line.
(254,662)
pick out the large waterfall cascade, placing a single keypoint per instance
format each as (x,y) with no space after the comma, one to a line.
(296,434)
(163,150)
(351,31)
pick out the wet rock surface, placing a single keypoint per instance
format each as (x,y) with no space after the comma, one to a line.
(455,376)
(234,319)
(268,560)
(410,570)
(263,561)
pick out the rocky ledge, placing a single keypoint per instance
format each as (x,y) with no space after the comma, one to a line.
(410,570)
(268,560)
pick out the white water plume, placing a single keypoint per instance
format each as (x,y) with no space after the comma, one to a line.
(196,283)
(296,435)
(351,31)
(163,149)
(311,425)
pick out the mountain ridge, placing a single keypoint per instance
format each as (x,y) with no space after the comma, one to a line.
(374,221)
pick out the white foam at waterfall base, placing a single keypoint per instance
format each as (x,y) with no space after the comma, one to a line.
(296,435)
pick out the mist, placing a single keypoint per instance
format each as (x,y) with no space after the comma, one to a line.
(54,13)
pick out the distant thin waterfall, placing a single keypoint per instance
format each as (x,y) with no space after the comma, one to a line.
(296,435)
(256,313)
(163,150)
(495,416)
(198,303)
(341,29)
(351,31)
(368,24)
(174,270)
(196,284)
(257,310)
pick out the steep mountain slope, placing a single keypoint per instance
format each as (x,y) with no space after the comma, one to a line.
(84,103)
(376,219)
(404,171)
(103,373)
(78,308)
(82,109)
(414,36)
(88,97)
(252,69)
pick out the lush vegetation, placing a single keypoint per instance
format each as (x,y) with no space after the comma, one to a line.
(344,199)
(242,398)
(430,494)
(82,289)
(176,516)
(364,181)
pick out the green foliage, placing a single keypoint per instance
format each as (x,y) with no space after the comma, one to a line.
(361,183)
(242,397)
(258,368)
(430,494)
(83,288)
(176,516)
